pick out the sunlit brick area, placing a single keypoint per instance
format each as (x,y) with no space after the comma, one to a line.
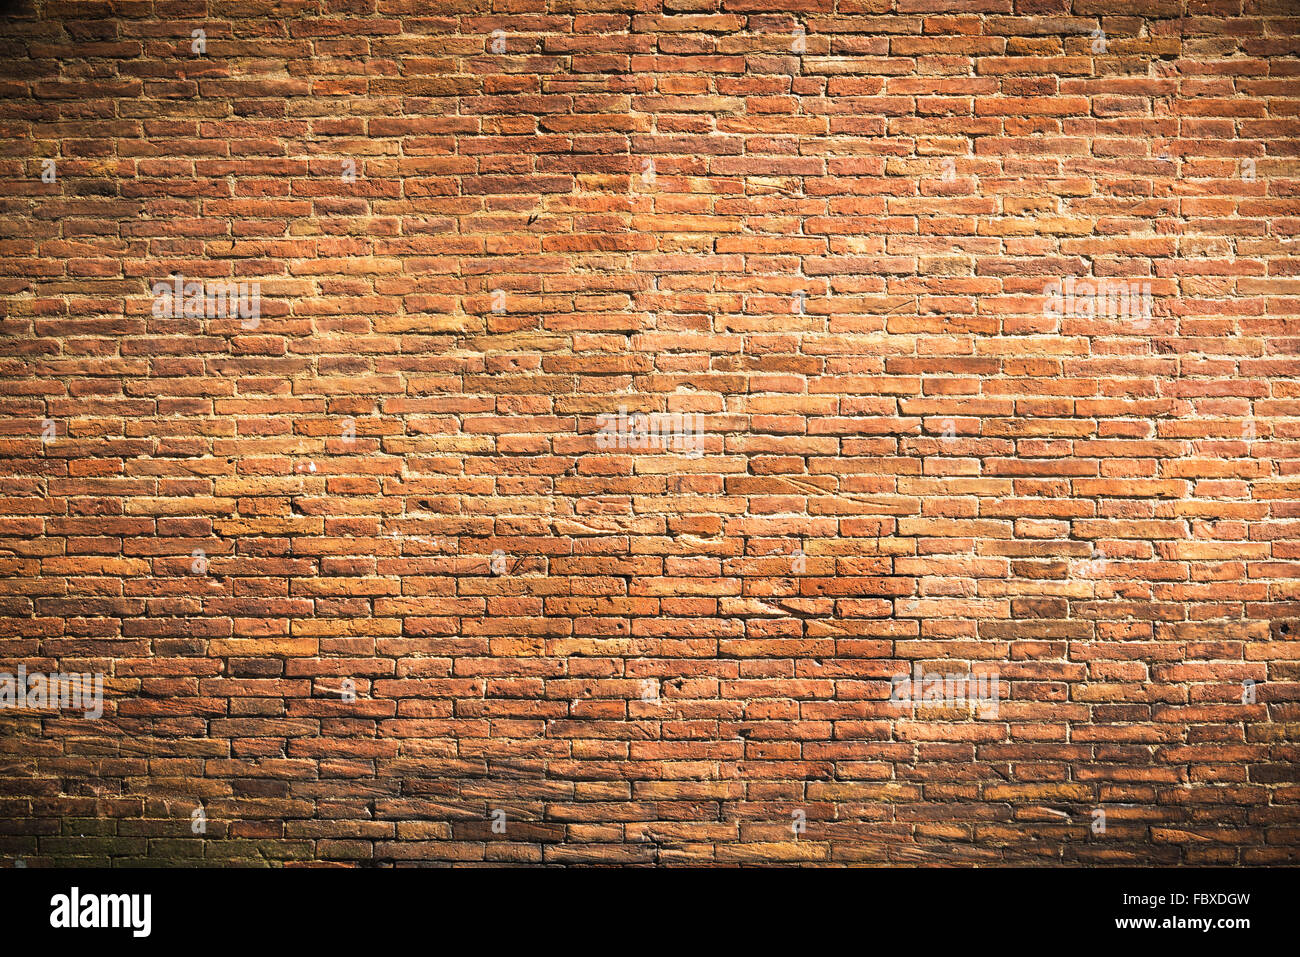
(650,432)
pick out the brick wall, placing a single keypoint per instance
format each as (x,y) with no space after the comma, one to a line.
(583,426)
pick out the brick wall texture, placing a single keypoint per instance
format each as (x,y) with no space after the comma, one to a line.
(963,332)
